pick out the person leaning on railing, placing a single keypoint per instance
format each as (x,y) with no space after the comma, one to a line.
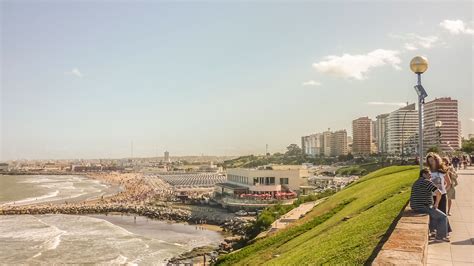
(421,201)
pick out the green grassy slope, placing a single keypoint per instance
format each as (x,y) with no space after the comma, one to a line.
(344,229)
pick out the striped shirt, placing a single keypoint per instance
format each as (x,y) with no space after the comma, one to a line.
(422,194)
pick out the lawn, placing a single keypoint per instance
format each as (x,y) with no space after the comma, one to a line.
(344,229)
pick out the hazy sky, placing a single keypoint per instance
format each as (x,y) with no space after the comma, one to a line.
(83,79)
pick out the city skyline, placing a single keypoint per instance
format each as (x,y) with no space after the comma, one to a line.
(191,79)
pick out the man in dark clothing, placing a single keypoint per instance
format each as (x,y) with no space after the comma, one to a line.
(421,201)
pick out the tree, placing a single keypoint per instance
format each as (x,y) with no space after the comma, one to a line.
(344,158)
(434,149)
(468,145)
(293,150)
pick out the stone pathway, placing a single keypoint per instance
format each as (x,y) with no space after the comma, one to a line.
(461,249)
(294,215)
(291,216)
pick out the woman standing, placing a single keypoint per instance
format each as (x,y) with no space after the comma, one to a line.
(439,178)
(453,177)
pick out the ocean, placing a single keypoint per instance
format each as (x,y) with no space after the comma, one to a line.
(32,189)
(86,239)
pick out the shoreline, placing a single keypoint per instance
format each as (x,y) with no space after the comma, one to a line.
(231,230)
(133,224)
(108,191)
(164,213)
(132,195)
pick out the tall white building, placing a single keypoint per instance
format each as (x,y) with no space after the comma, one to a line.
(402,126)
(381,133)
(311,144)
(327,143)
(167,157)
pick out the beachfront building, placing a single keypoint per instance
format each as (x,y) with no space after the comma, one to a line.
(311,145)
(339,143)
(402,126)
(441,125)
(381,132)
(326,144)
(269,183)
(362,136)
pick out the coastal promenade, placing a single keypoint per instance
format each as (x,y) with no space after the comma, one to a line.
(460,251)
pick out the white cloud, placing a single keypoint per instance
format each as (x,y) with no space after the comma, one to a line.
(311,83)
(425,41)
(357,66)
(75,72)
(456,27)
(415,41)
(387,103)
(410,47)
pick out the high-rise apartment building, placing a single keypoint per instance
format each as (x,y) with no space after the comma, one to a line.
(311,144)
(167,157)
(402,126)
(325,144)
(339,143)
(362,136)
(441,124)
(381,133)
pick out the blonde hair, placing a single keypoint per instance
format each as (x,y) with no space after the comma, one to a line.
(446,161)
(440,167)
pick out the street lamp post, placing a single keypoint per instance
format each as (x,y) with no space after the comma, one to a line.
(419,65)
(438,125)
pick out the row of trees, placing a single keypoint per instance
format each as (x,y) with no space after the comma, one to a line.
(293,156)
(467,146)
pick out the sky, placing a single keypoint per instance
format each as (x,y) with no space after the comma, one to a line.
(85,79)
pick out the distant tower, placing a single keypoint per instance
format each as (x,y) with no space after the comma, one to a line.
(167,157)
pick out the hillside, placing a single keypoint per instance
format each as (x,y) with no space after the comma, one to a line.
(251,161)
(345,229)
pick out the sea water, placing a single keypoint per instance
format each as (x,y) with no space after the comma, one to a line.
(78,239)
(33,189)
(57,239)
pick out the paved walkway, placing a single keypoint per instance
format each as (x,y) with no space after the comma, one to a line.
(461,249)
(291,216)
(294,215)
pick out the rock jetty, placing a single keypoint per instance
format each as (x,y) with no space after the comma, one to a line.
(170,213)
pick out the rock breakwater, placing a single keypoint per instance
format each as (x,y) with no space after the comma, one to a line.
(226,221)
